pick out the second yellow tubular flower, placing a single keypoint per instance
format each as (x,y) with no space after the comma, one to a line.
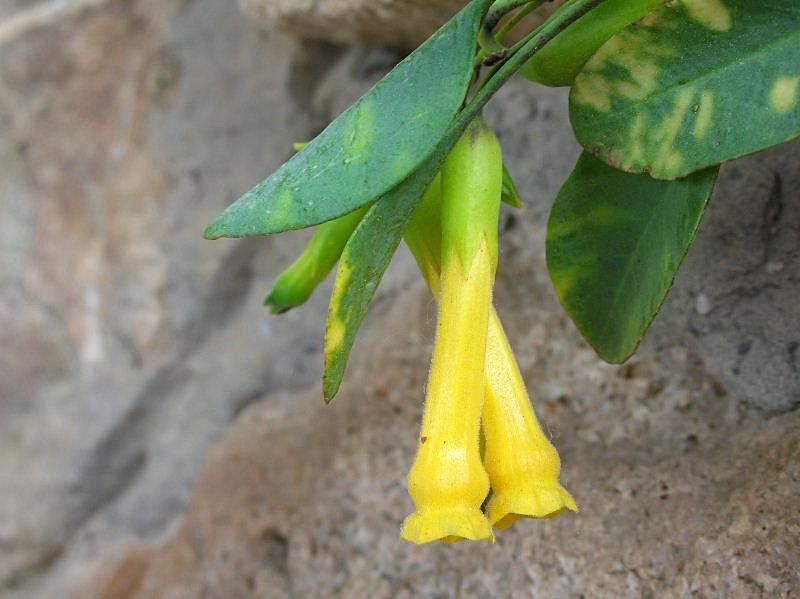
(523,465)
(448,482)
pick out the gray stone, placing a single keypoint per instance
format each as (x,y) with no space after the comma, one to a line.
(383,22)
(130,345)
(129,340)
(400,23)
(746,264)
(682,492)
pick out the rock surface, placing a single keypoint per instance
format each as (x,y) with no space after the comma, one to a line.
(737,301)
(399,23)
(130,343)
(682,493)
(386,22)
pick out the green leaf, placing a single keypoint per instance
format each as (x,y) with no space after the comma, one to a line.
(691,86)
(615,242)
(366,257)
(562,59)
(371,147)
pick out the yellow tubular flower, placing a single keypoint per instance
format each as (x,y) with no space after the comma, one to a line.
(448,482)
(522,465)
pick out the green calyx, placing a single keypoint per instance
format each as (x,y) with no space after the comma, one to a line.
(472,183)
(423,235)
(296,284)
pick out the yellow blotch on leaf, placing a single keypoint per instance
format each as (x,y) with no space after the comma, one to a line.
(639,51)
(712,14)
(361,131)
(705,113)
(335,336)
(335,333)
(668,160)
(784,94)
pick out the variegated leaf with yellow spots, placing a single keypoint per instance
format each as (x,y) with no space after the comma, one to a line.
(691,85)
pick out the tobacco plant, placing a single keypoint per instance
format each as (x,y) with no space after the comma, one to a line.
(662,93)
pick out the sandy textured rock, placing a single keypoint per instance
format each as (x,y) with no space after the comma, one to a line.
(113,122)
(401,23)
(682,493)
(130,344)
(383,22)
(737,301)
(684,490)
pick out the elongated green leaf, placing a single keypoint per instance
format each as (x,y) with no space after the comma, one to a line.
(562,59)
(615,242)
(692,85)
(366,257)
(371,147)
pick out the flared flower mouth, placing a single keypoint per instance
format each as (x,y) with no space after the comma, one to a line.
(448,524)
(529,501)
(448,481)
(523,465)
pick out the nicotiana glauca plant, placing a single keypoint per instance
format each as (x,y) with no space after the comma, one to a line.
(662,93)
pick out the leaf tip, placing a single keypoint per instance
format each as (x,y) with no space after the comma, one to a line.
(213,231)
(331,377)
(329,389)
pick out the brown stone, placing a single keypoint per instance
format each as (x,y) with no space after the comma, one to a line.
(130,344)
(302,499)
(401,23)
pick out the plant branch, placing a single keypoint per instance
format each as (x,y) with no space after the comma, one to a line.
(490,44)
(514,21)
(535,41)
(529,46)
(500,8)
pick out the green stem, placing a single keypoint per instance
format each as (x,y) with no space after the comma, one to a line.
(490,43)
(526,48)
(503,7)
(514,21)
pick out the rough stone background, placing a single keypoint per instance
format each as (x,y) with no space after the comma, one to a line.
(385,22)
(162,436)
(398,23)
